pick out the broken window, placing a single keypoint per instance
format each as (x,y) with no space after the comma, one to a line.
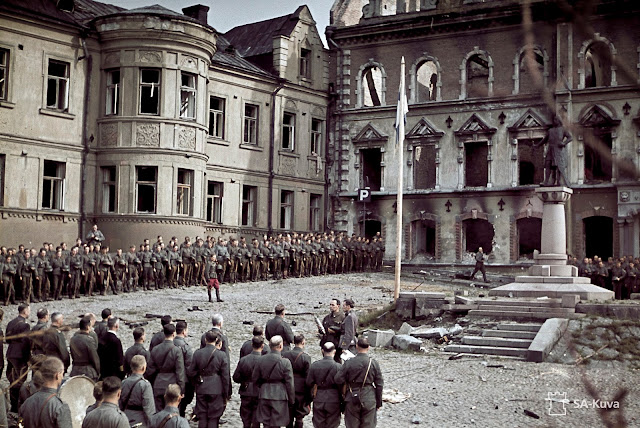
(424,166)
(214,201)
(216,117)
(530,163)
(598,236)
(316,136)
(249,194)
(53,185)
(149,91)
(425,237)
(288,131)
(187,96)
(113,89)
(371,87)
(371,170)
(305,63)
(315,202)
(371,228)
(526,75)
(58,85)
(478,76)
(426,80)
(286,209)
(529,236)
(478,233)
(476,167)
(597,65)
(597,160)
(108,189)
(184,192)
(146,181)
(250,124)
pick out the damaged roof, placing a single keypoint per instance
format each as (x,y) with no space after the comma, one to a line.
(158,10)
(82,11)
(257,38)
(226,55)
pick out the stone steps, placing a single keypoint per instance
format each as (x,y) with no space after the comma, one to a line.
(498,342)
(530,335)
(488,350)
(522,314)
(545,303)
(526,309)
(519,327)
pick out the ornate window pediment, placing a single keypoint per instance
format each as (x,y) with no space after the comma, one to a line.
(475,125)
(369,136)
(530,120)
(597,117)
(424,130)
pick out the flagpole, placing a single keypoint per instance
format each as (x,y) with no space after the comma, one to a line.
(400,118)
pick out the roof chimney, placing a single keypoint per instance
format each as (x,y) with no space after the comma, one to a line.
(198,12)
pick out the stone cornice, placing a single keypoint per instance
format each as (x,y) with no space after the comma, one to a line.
(39,215)
(148,218)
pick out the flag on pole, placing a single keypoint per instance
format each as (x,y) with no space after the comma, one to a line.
(403,106)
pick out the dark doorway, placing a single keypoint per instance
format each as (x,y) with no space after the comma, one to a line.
(478,233)
(598,237)
(371,227)
(529,236)
(530,162)
(424,237)
(371,169)
(430,235)
(424,166)
(475,164)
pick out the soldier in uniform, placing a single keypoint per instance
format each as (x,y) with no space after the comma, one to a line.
(9,270)
(136,349)
(105,272)
(18,353)
(170,412)
(248,390)
(108,415)
(95,236)
(147,268)
(480,265)
(158,266)
(321,377)
(209,371)
(27,269)
(174,266)
(224,262)
(265,260)
(618,275)
(166,366)
(300,363)
(198,268)
(247,346)
(57,272)
(42,277)
(54,344)
(364,381)
(187,355)
(243,260)
(159,336)
(44,408)
(349,326)
(100,327)
(120,267)
(132,269)
(136,400)
(188,262)
(211,276)
(84,352)
(256,261)
(332,324)
(277,326)
(41,326)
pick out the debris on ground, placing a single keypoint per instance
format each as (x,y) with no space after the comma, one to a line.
(394,396)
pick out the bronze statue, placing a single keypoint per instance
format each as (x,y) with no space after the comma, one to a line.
(555,161)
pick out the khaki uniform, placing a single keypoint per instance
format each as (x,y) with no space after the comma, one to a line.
(369,390)
(211,366)
(45,409)
(166,366)
(248,390)
(300,363)
(136,400)
(273,375)
(84,356)
(326,403)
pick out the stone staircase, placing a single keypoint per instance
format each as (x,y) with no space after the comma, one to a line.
(509,340)
(526,309)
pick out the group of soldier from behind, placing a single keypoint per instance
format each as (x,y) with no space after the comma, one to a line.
(621,275)
(52,272)
(152,388)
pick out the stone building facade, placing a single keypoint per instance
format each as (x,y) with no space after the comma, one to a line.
(149,122)
(479,103)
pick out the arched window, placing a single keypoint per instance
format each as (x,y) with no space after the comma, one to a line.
(525,77)
(371,84)
(476,75)
(597,58)
(426,81)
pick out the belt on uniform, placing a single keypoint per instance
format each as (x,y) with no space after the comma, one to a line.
(358,385)
(327,387)
(273,381)
(167,371)
(135,408)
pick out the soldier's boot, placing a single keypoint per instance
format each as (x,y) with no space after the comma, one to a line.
(218,295)
(114,287)
(209,293)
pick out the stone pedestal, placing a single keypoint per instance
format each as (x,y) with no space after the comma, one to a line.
(551,276)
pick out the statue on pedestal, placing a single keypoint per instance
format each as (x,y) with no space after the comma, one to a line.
(555,161)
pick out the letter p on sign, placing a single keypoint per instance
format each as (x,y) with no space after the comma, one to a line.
(364,195)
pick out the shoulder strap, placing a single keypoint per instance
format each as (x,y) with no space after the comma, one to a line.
(366,374)
(166,419)
(125,403)
(209,360)
(43,406)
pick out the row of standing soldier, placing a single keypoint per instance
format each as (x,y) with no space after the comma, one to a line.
(622,275)
(50,273)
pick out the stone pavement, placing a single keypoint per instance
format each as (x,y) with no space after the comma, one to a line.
(463,393)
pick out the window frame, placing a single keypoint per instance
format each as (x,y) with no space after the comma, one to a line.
(290,131)
(315,217)
(251,204)
(287,205)
(184,206)
(112,96)
(189,110)
(306,60)
(3,176)
(109,188)
(142,85)
(215,202)
(315,140)
(219,116)
(250,122)
(6,67)
(55,184)
(60,82)
(153,184)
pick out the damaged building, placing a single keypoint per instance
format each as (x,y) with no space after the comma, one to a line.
(479,104)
